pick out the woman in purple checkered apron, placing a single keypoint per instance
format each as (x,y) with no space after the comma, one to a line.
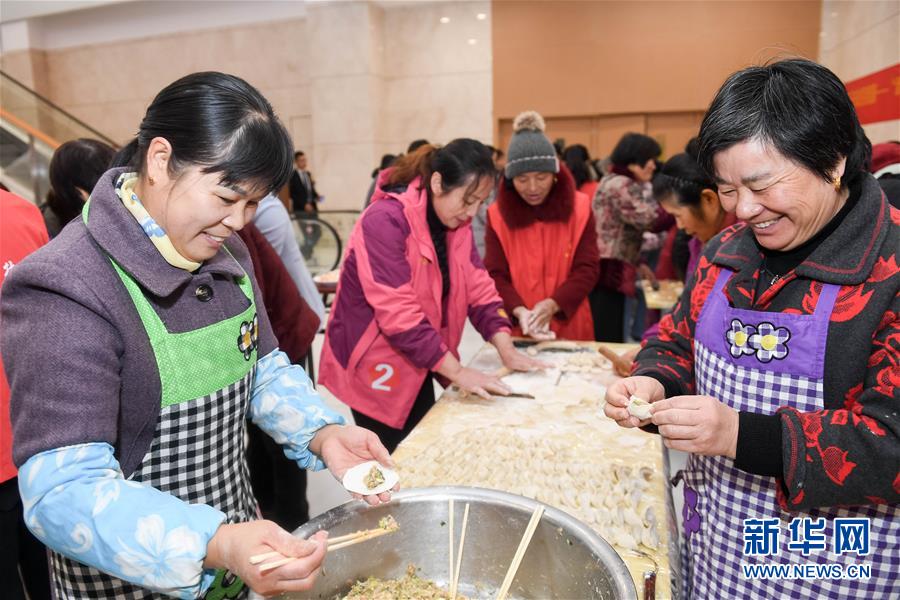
(777,371)
(131,443)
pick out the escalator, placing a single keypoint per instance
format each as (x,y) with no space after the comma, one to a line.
(31,128)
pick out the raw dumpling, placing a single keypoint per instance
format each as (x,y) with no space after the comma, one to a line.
(639,407)
(369,478)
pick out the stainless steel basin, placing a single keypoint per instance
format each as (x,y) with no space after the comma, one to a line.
(565,560)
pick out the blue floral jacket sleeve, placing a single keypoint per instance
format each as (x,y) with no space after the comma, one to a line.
(78,503)
(285,405)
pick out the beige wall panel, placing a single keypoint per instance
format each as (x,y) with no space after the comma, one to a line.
(300,129)
(575,58)
(844,20)
(858,39)
(673,130)
(110,85)
(610,128)
(876,48)
(598,133)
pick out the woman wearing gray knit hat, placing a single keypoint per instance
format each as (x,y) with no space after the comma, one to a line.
(540,240)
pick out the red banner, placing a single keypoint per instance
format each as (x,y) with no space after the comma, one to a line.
(877,96)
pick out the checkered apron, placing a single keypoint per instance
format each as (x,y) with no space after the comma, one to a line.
(759,361)
(198,451)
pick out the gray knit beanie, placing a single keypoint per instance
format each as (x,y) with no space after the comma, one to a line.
(529,149)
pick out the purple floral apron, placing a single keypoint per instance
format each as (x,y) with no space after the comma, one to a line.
(759,361)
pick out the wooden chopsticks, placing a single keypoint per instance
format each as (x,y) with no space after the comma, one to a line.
(277,559)
(520,552)
(462,543)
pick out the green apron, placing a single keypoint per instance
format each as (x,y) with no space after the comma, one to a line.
(198,450)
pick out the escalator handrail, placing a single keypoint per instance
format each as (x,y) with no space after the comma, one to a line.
(28,129)
(56,107)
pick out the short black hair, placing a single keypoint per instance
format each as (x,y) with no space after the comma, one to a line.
(76,164)
(682,175)
(298,154)
(577,158)
(799,107)
(635,149)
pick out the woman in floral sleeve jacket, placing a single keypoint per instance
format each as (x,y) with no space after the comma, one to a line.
(778,370)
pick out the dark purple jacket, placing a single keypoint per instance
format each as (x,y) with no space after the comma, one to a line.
(79,362)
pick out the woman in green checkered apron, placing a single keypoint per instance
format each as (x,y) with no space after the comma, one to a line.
(132,458)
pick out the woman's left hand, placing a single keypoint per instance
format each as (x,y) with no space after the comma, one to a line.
(345,446)
(542,313)
(518,361)
(697,424)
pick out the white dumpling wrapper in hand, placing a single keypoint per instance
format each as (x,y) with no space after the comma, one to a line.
(354,479)
(639,408)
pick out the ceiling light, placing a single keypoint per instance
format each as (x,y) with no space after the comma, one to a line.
(481,16)
(472,41)
(445,20)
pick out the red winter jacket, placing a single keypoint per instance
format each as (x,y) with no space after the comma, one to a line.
(849,452)
(22,231)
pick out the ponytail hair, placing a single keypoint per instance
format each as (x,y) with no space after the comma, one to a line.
(218,122)
(683,176)
(126,156)
(463,161)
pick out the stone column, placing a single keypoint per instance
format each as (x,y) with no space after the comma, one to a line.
(347,92)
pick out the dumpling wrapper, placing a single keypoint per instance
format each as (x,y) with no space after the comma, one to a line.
(355,477)
(639,408)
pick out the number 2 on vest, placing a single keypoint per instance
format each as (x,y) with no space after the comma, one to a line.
(379,383)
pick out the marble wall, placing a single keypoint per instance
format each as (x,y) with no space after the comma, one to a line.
(439,74)
(860,38)
(351,80)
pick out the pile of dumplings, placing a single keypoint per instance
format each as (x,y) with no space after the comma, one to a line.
(575,362)
(611,497)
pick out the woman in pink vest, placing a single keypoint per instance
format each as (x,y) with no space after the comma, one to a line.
(410,278)
(540,240)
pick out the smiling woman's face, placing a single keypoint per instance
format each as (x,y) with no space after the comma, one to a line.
(784,203)
(199,213)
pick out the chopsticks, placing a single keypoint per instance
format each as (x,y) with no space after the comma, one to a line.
(462,542)
(337,543)
(450,531)
(520,552)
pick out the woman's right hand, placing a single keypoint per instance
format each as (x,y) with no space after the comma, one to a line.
(525,317)
(232,546)
(619,394)
(479,383)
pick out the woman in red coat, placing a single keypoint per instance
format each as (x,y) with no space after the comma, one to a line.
(540,240)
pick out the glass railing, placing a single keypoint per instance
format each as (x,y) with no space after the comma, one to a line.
(31,128)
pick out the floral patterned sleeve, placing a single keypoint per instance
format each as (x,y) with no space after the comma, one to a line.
(850,455)
(285,405)
(78,503)
(636,205)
